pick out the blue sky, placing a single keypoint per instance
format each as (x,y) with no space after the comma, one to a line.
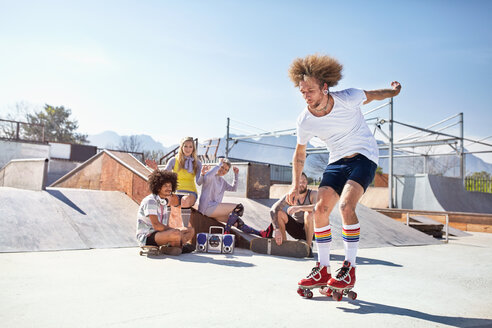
(175,68)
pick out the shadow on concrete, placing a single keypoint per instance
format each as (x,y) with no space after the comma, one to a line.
(230,260)
(365,307)
(365,261)
(61,197)
(287,258)
(266,202)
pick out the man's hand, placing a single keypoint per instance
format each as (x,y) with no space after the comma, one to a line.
(396,86)
(292,196)
(173,200)
(278,236)
(235,169)
(293,210)
(205,169)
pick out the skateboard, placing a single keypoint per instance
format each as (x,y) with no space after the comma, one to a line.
(338,293)
(159,250)
(288,248)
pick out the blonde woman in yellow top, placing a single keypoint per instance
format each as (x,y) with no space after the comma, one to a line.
(188,168)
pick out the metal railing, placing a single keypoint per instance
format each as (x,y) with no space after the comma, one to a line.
(478,184)
(16,130)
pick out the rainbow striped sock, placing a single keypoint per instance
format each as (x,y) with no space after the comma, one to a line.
(351,236)
(323,242)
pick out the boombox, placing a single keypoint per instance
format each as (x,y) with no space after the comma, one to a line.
(215,242)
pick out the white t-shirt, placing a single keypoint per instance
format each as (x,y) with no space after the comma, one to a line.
(150,205)
(344,129)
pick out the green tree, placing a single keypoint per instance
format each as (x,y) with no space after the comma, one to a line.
(57,125)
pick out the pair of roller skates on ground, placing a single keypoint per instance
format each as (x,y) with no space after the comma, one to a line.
(329,286)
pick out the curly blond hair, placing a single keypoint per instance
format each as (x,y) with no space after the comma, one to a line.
(325,69)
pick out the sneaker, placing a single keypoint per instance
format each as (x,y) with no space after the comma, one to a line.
(345,277)
(170,250)
(268,232)
(318,277)
(187,248)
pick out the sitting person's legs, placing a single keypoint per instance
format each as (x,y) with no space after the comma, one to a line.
(183,208)
(309,227)
(169,236)
(230,214)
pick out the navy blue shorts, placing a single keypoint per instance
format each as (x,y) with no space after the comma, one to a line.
(358,168)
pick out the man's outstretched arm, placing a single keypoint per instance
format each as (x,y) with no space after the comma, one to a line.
(382,94)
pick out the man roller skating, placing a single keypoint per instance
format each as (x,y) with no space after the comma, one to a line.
(335,118)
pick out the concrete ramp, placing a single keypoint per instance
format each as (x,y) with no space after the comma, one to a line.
(377,230)
(64,219)
(28,173)
(375,197)
(438,193)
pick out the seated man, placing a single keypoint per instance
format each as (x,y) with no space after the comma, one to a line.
(213,188)
(296,220)
(153,216)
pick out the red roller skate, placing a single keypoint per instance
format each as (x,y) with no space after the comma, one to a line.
(318,278)
(342,284)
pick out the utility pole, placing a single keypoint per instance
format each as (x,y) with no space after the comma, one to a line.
(227,139)
(462,150)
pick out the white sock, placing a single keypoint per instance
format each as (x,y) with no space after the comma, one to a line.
(351,236)
(323,242)
(185,215)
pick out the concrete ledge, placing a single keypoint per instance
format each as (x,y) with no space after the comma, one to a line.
(28,174)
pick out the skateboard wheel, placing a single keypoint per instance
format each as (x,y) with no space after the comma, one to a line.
(352,295)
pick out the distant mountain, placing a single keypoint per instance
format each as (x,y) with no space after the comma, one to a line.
(111,140)
(106,139)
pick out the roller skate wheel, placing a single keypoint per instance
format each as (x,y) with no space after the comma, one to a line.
(300,291)
(352,295)
(337,296)
(309,294)
(326,291)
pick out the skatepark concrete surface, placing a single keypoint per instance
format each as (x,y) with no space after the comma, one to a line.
(445,285)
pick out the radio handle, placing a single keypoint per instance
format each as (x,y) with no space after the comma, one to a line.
(216,227)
